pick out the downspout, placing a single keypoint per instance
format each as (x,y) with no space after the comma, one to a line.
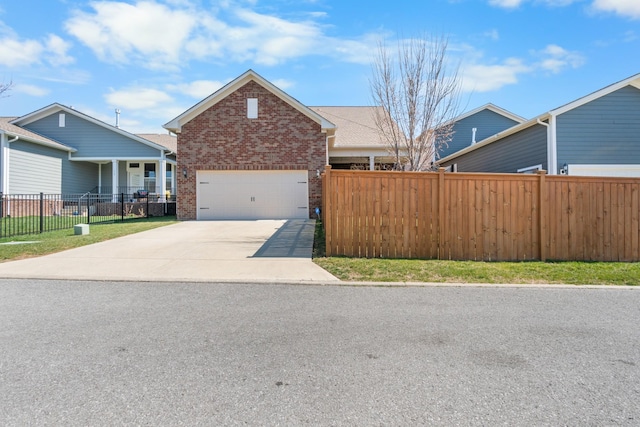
(552,165)
(4,159)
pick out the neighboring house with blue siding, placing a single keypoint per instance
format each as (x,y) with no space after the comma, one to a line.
(596,135)
(476,125)
(60,150)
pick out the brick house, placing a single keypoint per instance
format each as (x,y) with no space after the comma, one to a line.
(250,151)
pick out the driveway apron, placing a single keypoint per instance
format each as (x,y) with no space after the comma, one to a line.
(276,251)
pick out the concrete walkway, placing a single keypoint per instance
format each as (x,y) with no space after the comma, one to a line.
(275,251)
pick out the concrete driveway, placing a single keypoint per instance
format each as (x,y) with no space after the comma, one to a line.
(276,251)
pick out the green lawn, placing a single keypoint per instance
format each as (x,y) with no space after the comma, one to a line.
(404,270)
(56,241)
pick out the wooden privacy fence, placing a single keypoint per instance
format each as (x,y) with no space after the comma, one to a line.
(483,217)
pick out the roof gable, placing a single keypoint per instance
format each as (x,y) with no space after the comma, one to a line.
(176,124)
(495,109)
(630,81)
(56,107)
(12,130)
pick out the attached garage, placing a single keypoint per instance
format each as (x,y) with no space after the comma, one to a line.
(276,194)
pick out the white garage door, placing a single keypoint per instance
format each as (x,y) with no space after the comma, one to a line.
(252,194)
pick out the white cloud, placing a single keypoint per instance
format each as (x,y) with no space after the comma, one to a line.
(57,49)
(19,53)
(507,4)
(556,59)
(283,84)
(486,78)
(626,8)
(137,98)
(198,89)
(30,89)
(146,31)
(122,33)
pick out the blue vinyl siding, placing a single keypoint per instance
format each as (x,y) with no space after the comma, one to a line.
(604,131)
(487,122)
(520,150)
(90,139)
(35,169)
(79,177)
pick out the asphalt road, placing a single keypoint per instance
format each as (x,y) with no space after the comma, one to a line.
(102,353)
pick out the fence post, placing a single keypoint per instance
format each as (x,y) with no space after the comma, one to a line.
(88,207)
(326,211)
(41,212)
(121,207)
(146,214)
(542,194)
(1,205)
(440,213)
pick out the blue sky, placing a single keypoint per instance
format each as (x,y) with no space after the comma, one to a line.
(154,59)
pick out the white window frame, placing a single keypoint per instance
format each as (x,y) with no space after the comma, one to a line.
(252,108)
(61,120)
(530,169)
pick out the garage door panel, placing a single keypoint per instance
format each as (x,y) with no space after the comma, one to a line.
(252,194)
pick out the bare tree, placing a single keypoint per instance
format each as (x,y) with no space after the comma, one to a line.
(4,87)
(418,95)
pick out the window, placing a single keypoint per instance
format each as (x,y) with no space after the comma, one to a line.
(252,108)
(169,177)
(150,177)
(530,169)
(61,120)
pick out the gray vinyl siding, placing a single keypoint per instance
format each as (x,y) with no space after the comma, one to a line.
(604,131)
(90,139)
(520,150)
(35,169)
(487,122)
(79,177)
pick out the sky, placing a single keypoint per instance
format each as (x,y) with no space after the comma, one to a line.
(154,59)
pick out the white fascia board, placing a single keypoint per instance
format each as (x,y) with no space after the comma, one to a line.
(495,109)
(176,124)
(50,144)
(55,107)
(498,136)
(631,81)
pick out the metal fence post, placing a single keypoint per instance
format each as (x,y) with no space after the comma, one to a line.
(121,207)
(41,212)
(88,206)
(146,214)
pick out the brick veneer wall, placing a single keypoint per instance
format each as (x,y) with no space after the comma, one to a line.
(223,138)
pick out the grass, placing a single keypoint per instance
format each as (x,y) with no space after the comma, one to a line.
(405,270)
(56,241)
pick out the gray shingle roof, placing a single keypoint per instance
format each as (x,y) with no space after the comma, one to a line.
(28,135)
(355,126)
(170,142)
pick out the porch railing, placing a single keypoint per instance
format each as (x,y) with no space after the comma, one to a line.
(135,193)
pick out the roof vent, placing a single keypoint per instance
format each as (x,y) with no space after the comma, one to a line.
(117,117)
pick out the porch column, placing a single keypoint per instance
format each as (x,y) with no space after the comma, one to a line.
(372,163)
(99,178)
(162,175)
(114,180)
(4,163)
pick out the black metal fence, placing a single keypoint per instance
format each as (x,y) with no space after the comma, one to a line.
(22,214)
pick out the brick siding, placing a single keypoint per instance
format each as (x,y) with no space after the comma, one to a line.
(223,138)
